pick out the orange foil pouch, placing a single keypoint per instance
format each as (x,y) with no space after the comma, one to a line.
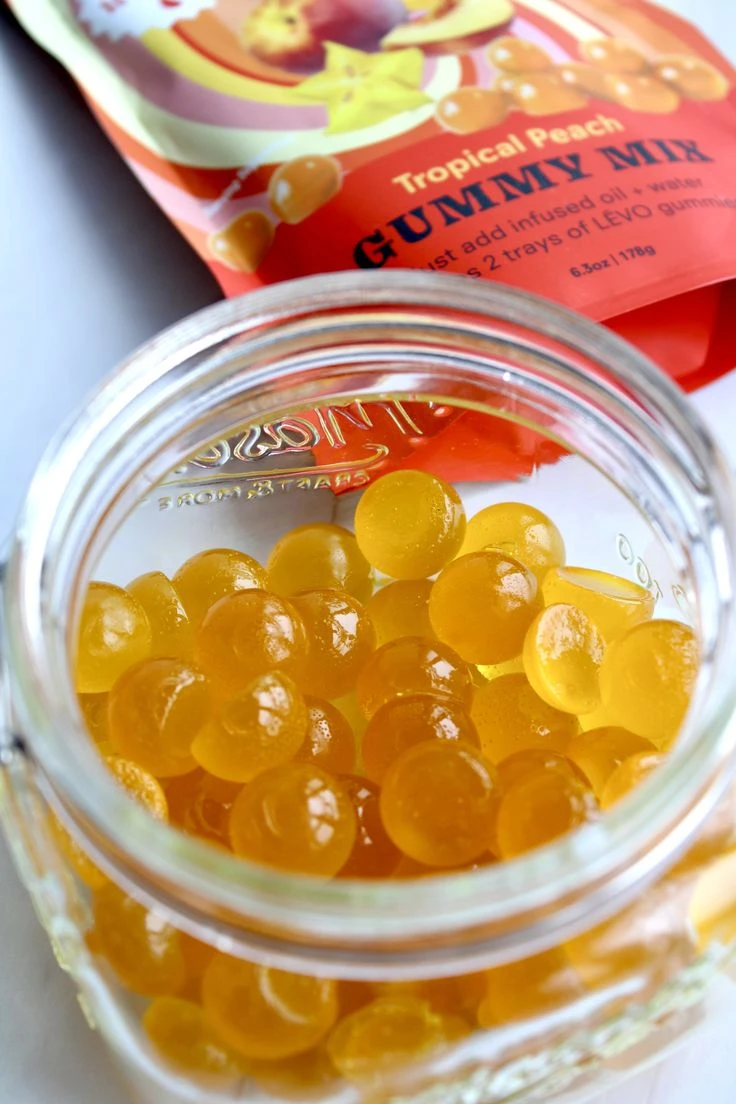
(581,149)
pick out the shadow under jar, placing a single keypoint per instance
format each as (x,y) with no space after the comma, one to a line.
(500,980)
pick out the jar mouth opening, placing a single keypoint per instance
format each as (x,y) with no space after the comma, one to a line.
(288,342)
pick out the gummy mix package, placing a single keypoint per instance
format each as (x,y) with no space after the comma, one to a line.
(581,149)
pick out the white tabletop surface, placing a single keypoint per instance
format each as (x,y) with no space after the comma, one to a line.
(89,268)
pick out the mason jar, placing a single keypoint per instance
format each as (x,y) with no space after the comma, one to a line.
(259,414)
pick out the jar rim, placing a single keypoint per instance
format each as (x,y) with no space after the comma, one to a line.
(572,880)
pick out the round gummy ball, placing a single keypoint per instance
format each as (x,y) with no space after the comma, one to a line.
(482,605)
(208,576)
(511,717)
(249,634)
(412,665)
(262,727)
(114,632)
(266,1013)
(520,531)
(647,678)
(155,710)
(408,720)
(438,802)
(401,609)
(340,640)
(312,557)
(409,524)
(295,817)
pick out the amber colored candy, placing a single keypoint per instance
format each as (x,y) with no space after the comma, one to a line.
(650,940)
(469,109)
(459,995)
(114,632)
(295,817)
(613,604)
(182,1036)
(482,604)
(243,244)
(143,948)
(341,637)
(387,1033)
(438,802)
(82,865)
(545,94)
(410,868)
(487,672)
(509,716)
(407,869)
(249,634)
(156,709)
(563,651)
(266,1013)
(647,677)
(310,1075)
(94,710)
(373,854)
(191,990)
(599,718)
(516,55)
(351,711)
(643,93)
(409,524)
(301,186)
(400,609)
(140,785)
(712,911)
(455,1028)
(330,741)
(403,722)
(200,805)
(262,727)
(520,531)
(313,557)
(170,626)
(692,77)
(532,761)
(412,665)
(530,987)
(197,955)
(539,807)
(208,576)
(353,995)
(599,751)
(613,55)
(587,78)
(628,775)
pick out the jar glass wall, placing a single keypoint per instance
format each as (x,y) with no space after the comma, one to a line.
(276,411)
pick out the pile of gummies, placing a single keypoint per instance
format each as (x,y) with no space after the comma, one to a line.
(426,694)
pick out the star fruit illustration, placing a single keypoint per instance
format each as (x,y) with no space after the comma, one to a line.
(360,89)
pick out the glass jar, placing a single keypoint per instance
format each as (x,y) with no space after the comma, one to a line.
(274,410)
